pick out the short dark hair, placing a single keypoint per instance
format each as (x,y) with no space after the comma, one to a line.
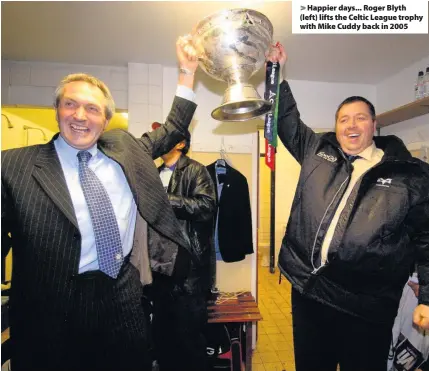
(356,98)
(185,149)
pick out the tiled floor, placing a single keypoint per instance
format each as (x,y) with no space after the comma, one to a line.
(274,347)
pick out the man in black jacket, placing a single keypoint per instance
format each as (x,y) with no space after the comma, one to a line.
(359,220)
(179,303)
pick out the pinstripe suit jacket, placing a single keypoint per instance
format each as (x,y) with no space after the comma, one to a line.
(38,212)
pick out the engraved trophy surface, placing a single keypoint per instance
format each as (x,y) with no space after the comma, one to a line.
(231,46)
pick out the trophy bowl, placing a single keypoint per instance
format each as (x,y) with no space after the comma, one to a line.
(231,46)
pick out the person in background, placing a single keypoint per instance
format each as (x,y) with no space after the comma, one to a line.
(70,209)
(180,303)
(409,349)
(359,221)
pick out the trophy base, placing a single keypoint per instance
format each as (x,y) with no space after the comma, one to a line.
(241,102)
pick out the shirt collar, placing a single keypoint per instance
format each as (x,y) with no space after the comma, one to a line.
(172,167)
(69,153)
(166,168)
(368,153)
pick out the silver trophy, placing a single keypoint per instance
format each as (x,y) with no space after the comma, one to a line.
(231,46)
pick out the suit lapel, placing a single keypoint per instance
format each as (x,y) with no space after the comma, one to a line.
(227,180)
(116,153)
(145,184)
(49,174)
(177,174)
(136,169)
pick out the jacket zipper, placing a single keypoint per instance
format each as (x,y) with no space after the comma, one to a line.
(315,270)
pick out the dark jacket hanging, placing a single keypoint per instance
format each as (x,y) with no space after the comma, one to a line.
(235,218)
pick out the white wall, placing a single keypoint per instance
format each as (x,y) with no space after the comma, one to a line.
(136,88)
(144,96)
(207,133)
(33,83)
(318,101)
(396,91)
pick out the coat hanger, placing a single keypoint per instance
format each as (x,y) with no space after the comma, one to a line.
(224,160)
(221,162)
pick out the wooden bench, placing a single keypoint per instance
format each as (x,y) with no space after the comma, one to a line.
(242,310)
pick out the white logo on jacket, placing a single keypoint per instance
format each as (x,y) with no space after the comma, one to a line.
(329,158)
(383,182)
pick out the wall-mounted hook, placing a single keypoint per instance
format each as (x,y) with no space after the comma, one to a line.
(26,127)
(9,124)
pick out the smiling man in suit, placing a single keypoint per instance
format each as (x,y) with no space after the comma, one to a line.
(70,210)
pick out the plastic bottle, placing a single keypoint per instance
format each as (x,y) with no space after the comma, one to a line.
(425,154)
(418,86)
(426,83)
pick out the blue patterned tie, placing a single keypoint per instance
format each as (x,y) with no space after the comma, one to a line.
(104,223)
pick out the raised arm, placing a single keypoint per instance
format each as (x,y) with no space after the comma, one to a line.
(294,134)
(163,139)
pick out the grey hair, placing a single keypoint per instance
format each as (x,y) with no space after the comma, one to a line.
(110,103)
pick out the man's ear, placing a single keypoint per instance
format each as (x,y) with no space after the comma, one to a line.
(180,145)
(375,126)
(105,124)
